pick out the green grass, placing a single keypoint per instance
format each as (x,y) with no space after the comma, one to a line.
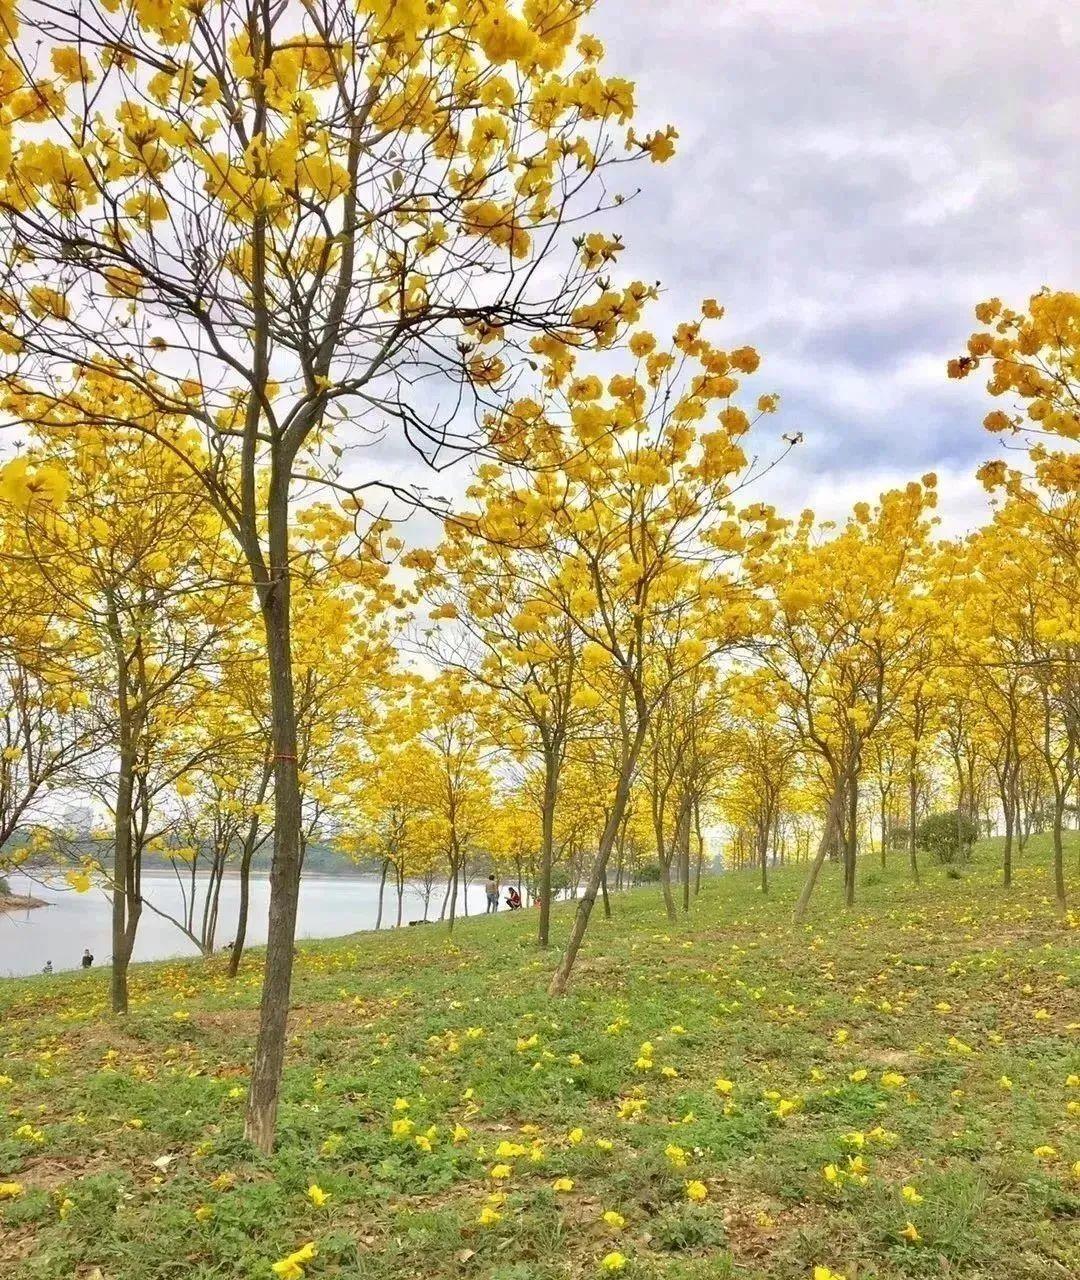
(120,1131)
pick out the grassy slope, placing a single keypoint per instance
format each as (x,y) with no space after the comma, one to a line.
(951,986)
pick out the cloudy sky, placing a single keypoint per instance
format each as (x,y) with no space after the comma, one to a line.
(850,180)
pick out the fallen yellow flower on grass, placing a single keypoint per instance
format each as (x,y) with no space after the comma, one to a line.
(204,1213)
(66,1206)
(1005,1083)
(613,1219)
(575,1136)
(9,1190)
(563,1184)
(697,1191)
(893,1079)
(489,1216)
(1045,1153)
(613,1261)
(317,1195)
(499,1171)
(724,1087)
(823,1273)
(292,1267)
(909,1194)
(911,1233)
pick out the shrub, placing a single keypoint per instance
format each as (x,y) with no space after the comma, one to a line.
(948,836)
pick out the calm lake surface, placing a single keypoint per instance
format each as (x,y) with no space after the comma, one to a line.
(59,932)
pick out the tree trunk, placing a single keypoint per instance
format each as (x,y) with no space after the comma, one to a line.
(1007,849)
(884,829)
(851,837)
(547,843)
(561,976)
(828,836)
(701,848)
(263,1094)
(246,857)
(455,871)
(669,897)
(684,853)
(245,906)
(382,890)
(763,856)
(1059,851)
(123,892)
(913,799)
(603,890)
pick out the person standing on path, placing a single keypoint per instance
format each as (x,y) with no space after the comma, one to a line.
(492,888)
(87,959)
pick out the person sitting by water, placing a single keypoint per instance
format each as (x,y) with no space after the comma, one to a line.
(513,899)
(48,967)
(87,959)
(492,888)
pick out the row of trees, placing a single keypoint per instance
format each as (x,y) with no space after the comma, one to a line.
(239,239)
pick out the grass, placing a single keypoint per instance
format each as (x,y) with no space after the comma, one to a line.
(874,1041)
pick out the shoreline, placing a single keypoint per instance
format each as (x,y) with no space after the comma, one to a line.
(13,902)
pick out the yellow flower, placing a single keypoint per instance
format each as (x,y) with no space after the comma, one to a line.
(676,1155)
(575,1136)
(66,1207)
(909,1193)
(1071,1082)
(893,1079)
(292,1267)
(317,1195)
(500,1171)
(9,1190)
(402,1128)
(401,1104)
(613,1261)
(614,1220)
(857,1077)
(823,1273)
(563,1184)
(669,1073)
(831,1174)
(1045,1153)
(204,1213)
(460,1133)
(604,1144)
(697,1191)
(911,1232)
(724,1086)
(489,1216)
(1005,1083)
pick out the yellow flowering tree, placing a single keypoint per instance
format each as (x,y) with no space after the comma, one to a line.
(253,221)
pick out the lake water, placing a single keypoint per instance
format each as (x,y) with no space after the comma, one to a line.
(59,932)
